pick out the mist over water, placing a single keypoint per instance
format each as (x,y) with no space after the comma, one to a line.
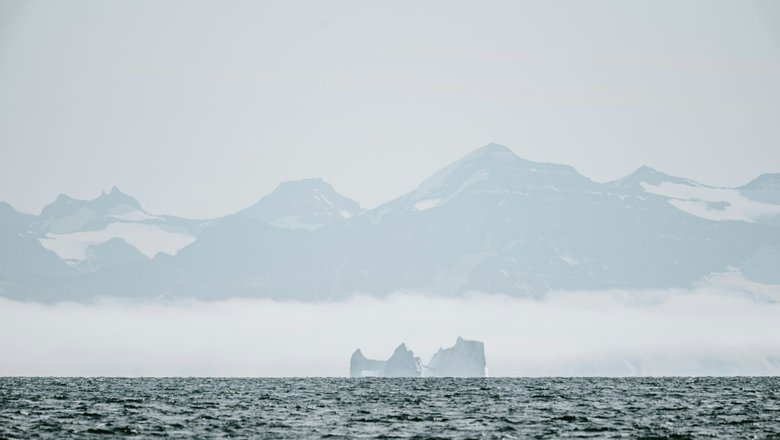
(706,331)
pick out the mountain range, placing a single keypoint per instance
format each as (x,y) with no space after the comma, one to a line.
(490,222)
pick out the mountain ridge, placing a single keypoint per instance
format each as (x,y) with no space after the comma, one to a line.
(489,221)
(302,204)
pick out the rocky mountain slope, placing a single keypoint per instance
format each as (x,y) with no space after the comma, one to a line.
(489,222)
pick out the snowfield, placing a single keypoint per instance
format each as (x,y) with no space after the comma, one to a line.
(717,204)
(149,239)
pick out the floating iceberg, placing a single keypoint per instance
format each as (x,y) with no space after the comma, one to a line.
(361,366)
(465,359)
(402,363)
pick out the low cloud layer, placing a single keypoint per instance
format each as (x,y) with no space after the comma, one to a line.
(705,331)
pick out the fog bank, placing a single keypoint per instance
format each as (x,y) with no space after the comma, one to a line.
(699,332)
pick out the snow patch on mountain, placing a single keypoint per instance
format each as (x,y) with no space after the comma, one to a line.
(422,205)
(66,214)
(717,204)
(149,239)
(70,222)
(134,216)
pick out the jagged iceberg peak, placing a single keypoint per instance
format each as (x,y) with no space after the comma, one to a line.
(358,354)
(403,363)
(465,359)
(493,168)
(361,366)
(302,204)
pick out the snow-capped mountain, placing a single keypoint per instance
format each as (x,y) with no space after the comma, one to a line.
(490,222)
(302,204)
(110,229)
(497,223)
(751,203)
(67,215)
(491,170)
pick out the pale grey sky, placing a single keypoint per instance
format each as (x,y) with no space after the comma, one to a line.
(198,108)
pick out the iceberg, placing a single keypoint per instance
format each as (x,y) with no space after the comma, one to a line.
(402,363)
(361,366)
(465,359)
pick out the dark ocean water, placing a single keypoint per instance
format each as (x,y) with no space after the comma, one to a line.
(391,408)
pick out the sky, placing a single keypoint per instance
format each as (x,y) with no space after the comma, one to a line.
(199,108)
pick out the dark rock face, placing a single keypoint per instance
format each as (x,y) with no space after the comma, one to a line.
(465,359)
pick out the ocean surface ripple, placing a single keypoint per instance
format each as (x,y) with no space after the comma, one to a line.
(390,408)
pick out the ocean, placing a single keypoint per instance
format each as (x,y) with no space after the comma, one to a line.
(390,408)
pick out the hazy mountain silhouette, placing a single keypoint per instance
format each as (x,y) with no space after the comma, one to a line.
(490,222)
(303,204)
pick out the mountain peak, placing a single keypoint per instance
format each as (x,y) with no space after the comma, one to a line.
(650,175)
(302,204)
(493,151)
(649,172)
(63,198)
(315,184)
(117,196)
(495,167)
(645,169)
(494,147)
(114,202)
(768,181)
